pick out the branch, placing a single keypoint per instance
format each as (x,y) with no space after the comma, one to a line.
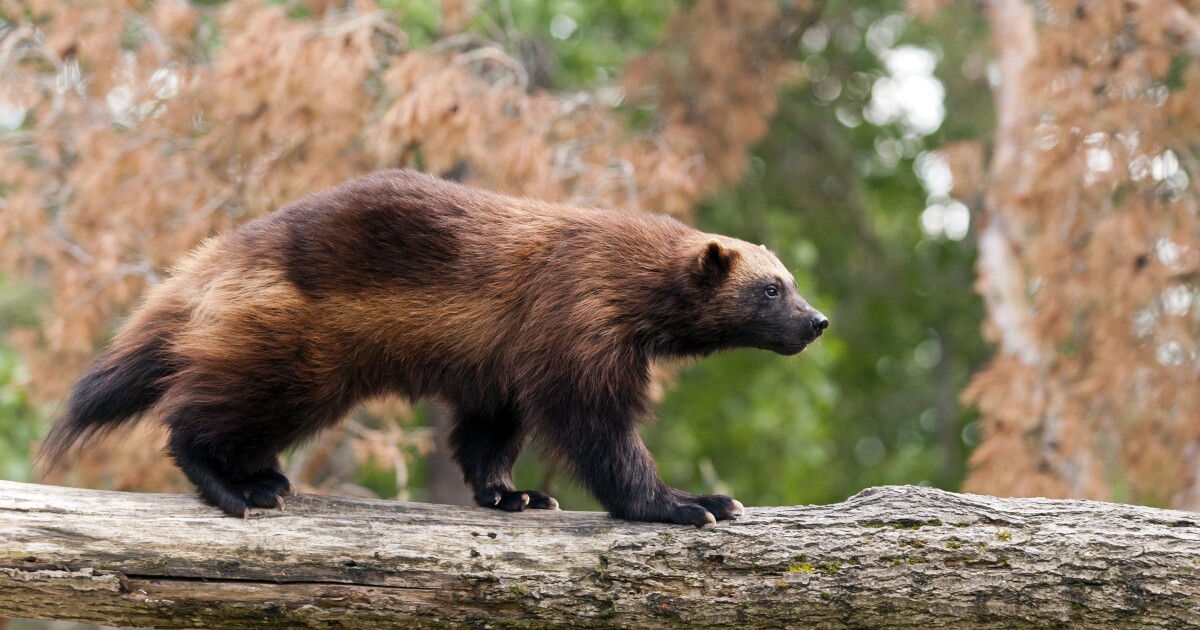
(887,557)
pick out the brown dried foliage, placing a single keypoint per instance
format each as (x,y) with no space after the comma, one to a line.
(1090,255)
(140,138)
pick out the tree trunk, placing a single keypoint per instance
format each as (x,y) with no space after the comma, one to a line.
(444,479)
(887,557)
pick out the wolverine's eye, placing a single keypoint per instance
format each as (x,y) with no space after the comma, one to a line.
(772,291)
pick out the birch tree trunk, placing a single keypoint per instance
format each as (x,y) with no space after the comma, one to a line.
(887,557)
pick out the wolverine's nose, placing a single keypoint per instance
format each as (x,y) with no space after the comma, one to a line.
(819,323)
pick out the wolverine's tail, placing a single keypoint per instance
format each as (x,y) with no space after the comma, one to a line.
(121,384)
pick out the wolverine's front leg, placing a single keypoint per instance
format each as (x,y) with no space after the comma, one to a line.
(608,455)
(485,443)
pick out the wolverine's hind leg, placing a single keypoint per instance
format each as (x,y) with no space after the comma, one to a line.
(212,479)
(486,442)
(227,473)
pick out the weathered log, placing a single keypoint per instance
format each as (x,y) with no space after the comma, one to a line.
(887,557)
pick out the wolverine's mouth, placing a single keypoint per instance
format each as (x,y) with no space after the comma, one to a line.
(789,349)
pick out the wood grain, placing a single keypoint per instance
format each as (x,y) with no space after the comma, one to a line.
(887,557)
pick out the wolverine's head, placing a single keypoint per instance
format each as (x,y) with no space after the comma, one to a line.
(749,299)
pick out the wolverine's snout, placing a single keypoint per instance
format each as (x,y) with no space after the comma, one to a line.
(809,324)
(818,322)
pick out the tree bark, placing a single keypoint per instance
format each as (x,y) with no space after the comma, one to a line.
(444,478)
(887,557)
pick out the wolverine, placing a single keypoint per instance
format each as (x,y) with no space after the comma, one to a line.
(529,320)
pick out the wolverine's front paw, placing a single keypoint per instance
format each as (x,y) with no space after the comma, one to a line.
(723,508)
(700,510)
(515,500)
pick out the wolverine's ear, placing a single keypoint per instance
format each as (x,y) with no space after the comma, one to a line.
(714,262)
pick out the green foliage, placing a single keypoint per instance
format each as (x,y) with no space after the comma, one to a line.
(18,304)
(19,421)
(590,41)
(1179,65)
(565,44)
(750,425)
(874,402)
(419,19)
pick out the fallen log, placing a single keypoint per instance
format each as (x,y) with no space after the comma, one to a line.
(887,557)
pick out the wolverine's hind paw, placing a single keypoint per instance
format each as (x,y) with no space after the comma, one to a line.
(275,479)
(260,495)
(264,489)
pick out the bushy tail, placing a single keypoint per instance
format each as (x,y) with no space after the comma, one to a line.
(121,384)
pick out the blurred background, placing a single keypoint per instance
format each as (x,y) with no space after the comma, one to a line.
(993,201)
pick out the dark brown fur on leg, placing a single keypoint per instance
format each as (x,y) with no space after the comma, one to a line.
(486,444)
(607,454)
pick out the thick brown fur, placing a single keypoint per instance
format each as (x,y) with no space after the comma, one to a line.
(528,319)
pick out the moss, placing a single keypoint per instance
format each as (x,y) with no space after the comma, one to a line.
(599,575)
(1004,535)
(520,590)
(953,544)
(802,567)
(830,568)
(157,562)
(905,524)
(826,596)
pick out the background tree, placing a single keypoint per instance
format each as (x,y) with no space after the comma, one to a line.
(1088,259)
